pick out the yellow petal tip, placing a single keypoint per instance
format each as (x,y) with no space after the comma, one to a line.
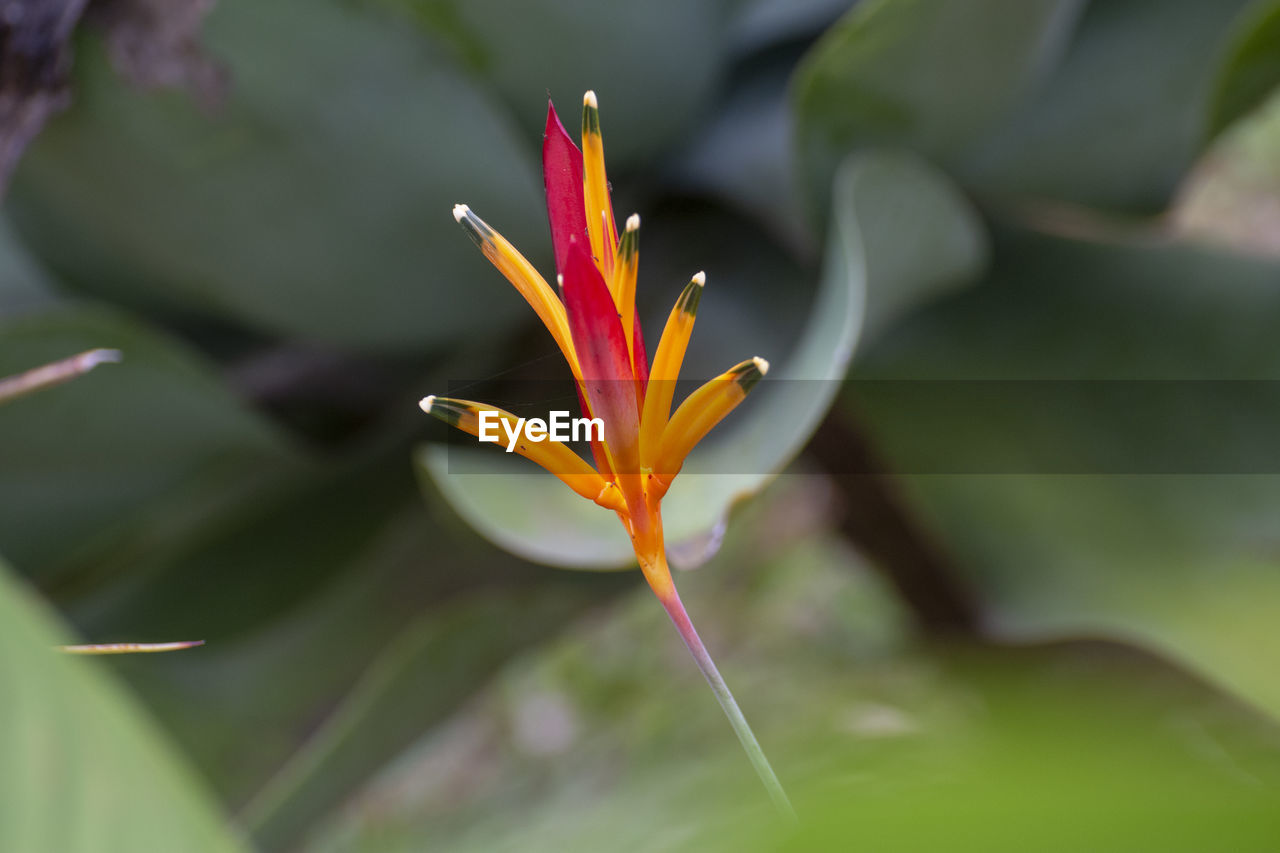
(426,403)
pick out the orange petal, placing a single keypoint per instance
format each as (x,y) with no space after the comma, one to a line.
(601,229)
(532,286)
(701,411)
(556,457)
(666,370)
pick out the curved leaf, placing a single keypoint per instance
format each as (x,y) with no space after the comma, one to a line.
(900,233)
(929,75)
(124,456)
(1251,71)
(1121,118)
(85,772)
(1147,508)
(654,65)
(314,203)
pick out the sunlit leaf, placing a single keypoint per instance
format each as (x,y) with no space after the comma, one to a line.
(85,771)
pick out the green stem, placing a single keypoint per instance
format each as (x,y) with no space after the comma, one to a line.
(675,609)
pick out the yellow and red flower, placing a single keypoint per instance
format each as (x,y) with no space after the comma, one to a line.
(593,321)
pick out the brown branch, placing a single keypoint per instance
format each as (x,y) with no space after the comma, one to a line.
(880,525)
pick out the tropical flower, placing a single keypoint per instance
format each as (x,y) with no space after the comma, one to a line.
(594,323)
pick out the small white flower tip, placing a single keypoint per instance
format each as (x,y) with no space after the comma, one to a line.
(460,212)
(700,279)
(589,100)
(94,357)
(761,365)
(633,222)
(560,280)
(426,403)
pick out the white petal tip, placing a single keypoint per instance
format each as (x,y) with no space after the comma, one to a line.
(589,100)
(700,279)
(426,403)
(761,365)
(94,357)
(633,222)
(460,212)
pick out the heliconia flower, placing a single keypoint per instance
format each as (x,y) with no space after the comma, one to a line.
(593,321)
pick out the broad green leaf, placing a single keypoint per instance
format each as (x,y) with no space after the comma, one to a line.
(1159,521)
(930,75)
(315,202)
(1122,117)
(84,770)
(1251,72)
(900,234)
(124,457)
(654,65)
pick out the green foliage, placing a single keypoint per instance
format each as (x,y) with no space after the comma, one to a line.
(1149,534)
(929,75)
(85,769)
(924,185)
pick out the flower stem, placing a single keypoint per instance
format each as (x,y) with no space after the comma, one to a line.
(675,609)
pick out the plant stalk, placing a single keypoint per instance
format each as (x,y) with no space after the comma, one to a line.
(675,609)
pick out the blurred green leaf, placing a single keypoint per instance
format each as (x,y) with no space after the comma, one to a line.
(1122,117)
(900,234)
(1019,99)
(84,770)
(125,457)
(758,25)
(421,678)
(929,75)
(1230,197)
(743,153)
(653,65)
(607,739)
(1181,558)
(1251,71)
(314,203)
(23,284)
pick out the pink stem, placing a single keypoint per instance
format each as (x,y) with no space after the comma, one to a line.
(675,609)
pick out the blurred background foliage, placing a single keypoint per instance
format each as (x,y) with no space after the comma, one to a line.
(251,201)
